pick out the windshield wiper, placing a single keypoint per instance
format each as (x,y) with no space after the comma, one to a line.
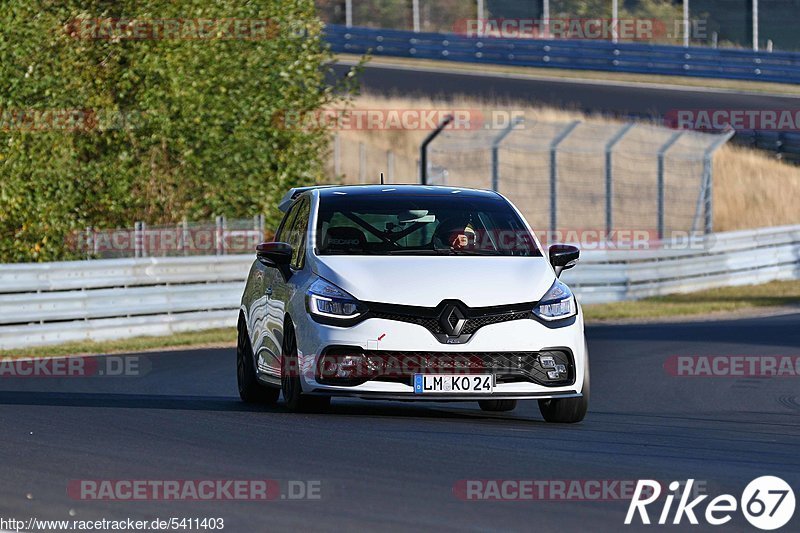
(424,251)
(453,251)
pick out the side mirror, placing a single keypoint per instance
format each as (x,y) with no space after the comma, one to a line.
(563,257)
(276,255)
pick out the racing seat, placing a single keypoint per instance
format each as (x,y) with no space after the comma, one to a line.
(343,240)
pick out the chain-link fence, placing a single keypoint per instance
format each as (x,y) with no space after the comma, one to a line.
(583,176)
(220,236)
(356,162)
(725,23)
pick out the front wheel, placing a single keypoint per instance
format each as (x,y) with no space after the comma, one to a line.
(250,390)
(290,378)
(568,410)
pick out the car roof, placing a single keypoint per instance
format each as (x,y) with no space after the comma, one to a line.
(327,191)
(426,190)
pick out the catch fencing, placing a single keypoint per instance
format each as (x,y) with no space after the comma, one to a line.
(222,236)
(580,176)
(50,303)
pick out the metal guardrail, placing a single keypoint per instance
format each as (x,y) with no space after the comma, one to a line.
(780,67)
(716,260)
(104,299)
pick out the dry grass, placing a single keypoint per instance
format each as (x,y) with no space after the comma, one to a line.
(780,296)
(751,189)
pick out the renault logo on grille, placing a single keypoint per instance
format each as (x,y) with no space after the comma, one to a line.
(452,320)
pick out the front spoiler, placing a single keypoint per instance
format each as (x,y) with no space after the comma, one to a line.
(411,397)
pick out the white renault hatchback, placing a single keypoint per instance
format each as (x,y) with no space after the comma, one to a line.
(405,292)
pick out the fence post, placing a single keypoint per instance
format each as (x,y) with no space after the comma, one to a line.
(337,155)
(496,151)
(554,172)
(220,235)
(705,197)
(185,235)
(423,148)
(661,154)
(362,162)
(610,175)
(137,239)
(89,245)
(390,166)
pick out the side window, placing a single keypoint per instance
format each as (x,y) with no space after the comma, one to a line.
(286,223)
(293,231)
(299,234)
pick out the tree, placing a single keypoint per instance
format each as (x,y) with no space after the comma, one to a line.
(156,128)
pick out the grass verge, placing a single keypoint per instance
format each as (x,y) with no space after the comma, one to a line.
(702,303)
(211,338)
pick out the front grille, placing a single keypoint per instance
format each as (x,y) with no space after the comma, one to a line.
(429,317)
(508,367)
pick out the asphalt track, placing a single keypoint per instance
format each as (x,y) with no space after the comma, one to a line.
(653,100)
(393,466)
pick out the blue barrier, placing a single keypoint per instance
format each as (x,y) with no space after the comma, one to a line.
(779,67)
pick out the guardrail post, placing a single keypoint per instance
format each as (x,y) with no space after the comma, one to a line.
(496,151)
(220,235)
(554,173)
(661,154)
(610,175)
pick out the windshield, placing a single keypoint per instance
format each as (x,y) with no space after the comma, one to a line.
(406,224)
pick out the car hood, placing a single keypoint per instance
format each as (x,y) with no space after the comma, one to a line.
(426,281)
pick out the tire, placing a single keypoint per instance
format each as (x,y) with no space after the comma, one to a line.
(568,410)
(296,401)
(497,405)
(250,390)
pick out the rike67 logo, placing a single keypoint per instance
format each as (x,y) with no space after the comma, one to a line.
(767,503)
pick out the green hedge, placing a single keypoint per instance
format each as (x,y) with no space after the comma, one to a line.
(162,128)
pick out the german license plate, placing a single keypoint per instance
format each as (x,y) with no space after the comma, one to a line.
(453,384)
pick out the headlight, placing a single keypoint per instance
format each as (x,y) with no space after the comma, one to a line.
(331,304)
(557,304)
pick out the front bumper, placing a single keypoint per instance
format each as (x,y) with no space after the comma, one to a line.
(377,336)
